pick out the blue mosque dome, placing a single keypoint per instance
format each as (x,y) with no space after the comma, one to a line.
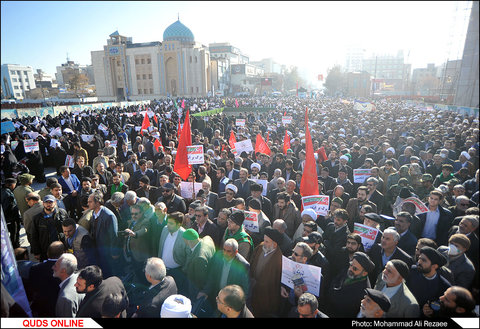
(178,32)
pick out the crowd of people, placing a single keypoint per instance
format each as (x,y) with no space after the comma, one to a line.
(112,234)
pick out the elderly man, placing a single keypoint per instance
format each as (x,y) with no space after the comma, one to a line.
(161,287)
(375,304)
(265,275)
(228,200)
(387,250)
(68,299)
(392,284)
(408,240)
(462,268)
(226,267)
(235,230)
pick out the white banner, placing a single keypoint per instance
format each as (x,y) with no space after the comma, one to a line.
(245,145)
(294,273)
(87,138)
(69,161)
(195,154)
(30,145)
(240,122)
(360,175)
(367,233)
(188,188)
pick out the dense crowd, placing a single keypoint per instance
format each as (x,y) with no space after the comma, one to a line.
(112,233)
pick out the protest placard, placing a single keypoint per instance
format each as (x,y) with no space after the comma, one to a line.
(56,132)
(367,233)
(309,276)
(286,120)
(240,122)
(195,154)
(69,161)
(419,205)
(30,145)
(251,220)
(87,138)
(319,203)
(360,175)
(14,145)
(188,188)
(242,146)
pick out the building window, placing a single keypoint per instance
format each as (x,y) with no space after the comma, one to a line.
(197,90)
(151,91)
(190,59)
(144,77)
(143,60)
(150,76)
(145,91)
(13,73)
(138,76)
(136,61)
(14,79)
(139,91)
(149,61)
(196,61)
(191,90)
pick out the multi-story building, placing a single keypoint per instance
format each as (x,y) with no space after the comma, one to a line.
(178,66)
(67,70)
(448,74)
(426,81)
(359,84)
(388,69)
(354,59)
(246,78)
(16,81)
(468,86)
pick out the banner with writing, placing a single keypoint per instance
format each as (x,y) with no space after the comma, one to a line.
(189,190)
(69,161)
(242,146)
(30,145)
(319,203)
(360,175)
(298,274)
(367,233)
(240,122)
(195,154)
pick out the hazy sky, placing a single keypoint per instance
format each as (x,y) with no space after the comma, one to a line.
(311,35)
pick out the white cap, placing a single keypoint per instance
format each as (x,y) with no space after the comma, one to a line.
(176,306)
(310,212)
(465,154)
(344,157)
(232,187)
(255,165)
(391,149)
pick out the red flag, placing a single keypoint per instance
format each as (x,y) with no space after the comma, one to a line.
(286,142)
(261,146)
(232,140)
(309,183)
(181,165)
(236,102)
(322,155)
(157,145)
(145,123)
(155,118)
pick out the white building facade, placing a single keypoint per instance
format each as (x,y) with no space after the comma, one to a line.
(16,80)
(178,66)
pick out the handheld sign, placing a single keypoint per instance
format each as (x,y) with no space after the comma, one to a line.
(69,161)
(240,122)
(360,175)
(31,145)
(319,203)
(286,120)
(242,146)
(298,274)
(251,220)
(195,154)
(367,233)
(187,189)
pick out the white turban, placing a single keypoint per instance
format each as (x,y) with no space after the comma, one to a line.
(310,212)
(391,149)
(232,187)
(465,154)
(255,165)
(344,157)
(176,306)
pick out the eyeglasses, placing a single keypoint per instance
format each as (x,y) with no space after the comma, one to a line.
(219,301)
(295,253)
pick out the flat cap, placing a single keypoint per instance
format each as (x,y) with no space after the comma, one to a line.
(380,298)
(375,217)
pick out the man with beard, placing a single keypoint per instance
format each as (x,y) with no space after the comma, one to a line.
(81,170)
(355,204)
(392,284)
(348,288)
(228,200)
(287,210)
(345,255)
(425,281)
(265,275)
(90,281)
(375,304)
(173,201)
(456,302)
(335,234)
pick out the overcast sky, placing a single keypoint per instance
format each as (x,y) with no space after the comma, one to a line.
(311,35)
